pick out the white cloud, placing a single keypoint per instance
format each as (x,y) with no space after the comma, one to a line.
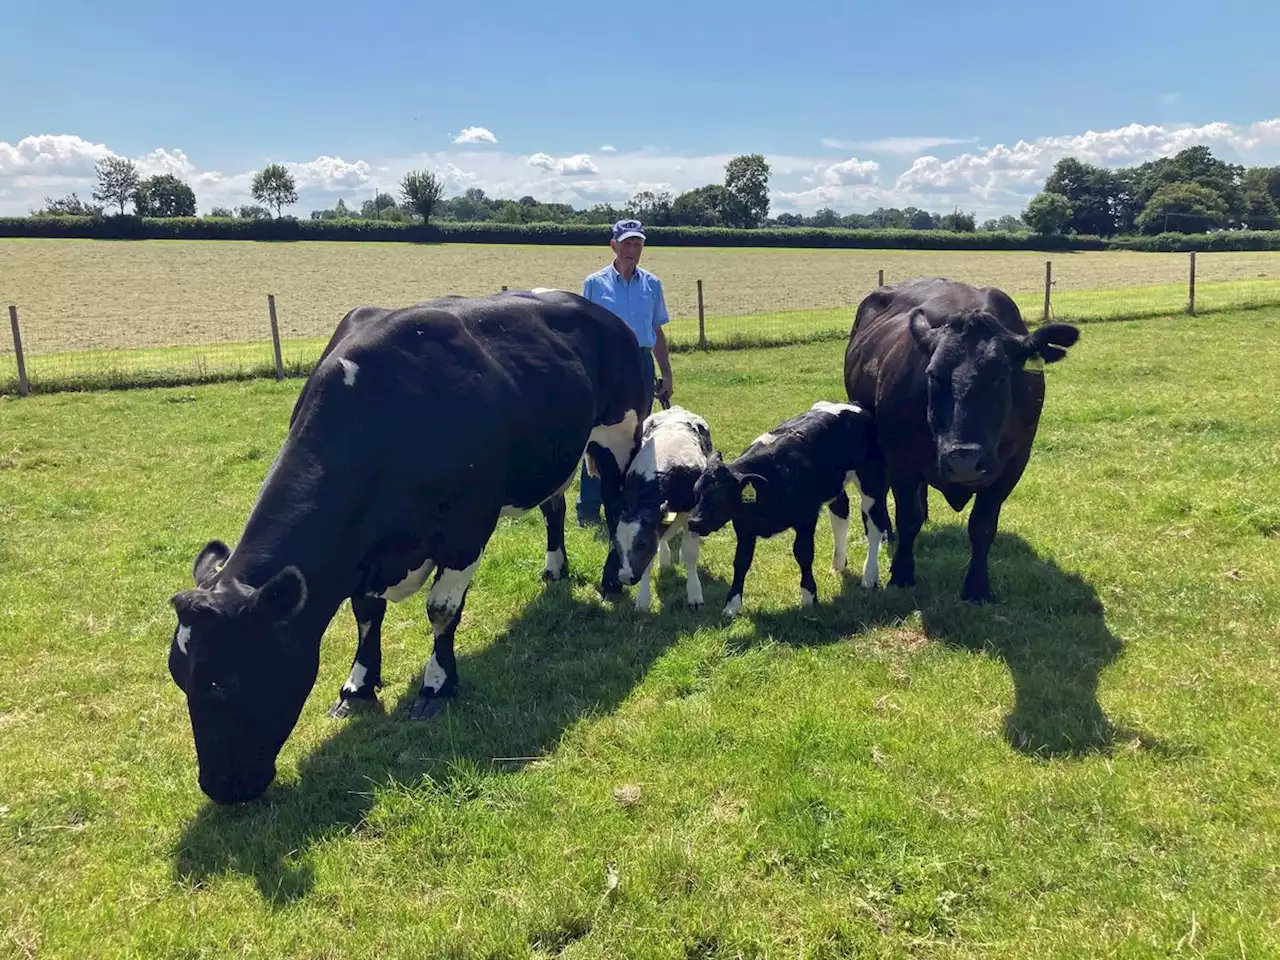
(850,171)
(475,135)
(608,148)
(330,174)
(51,154)
(905,146)
(580,164)
(1019,171)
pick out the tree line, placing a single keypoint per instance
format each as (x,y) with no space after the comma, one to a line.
(1190,192)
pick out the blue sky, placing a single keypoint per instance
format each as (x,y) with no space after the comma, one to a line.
(855,105)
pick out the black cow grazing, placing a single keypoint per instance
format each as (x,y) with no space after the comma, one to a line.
(781,482)
(956,383)
(417,430)
(657,498)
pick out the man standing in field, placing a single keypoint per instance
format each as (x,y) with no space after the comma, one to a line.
(635,295)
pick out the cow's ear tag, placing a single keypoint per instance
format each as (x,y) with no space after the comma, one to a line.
(749,492)
(1034,364)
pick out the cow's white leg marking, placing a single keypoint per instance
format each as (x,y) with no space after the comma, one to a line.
(410,585)
(355,679)
(689,548)
(618,438)
(871,569)
(644,594)
(664,554)
(349,370)
(447,594)
(806,598)
(732,608)
(839,533)
(433,677)
(626,537)
(555,563)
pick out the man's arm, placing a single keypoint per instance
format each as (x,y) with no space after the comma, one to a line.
(660,354)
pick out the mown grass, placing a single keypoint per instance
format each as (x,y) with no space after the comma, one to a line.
(1087,769)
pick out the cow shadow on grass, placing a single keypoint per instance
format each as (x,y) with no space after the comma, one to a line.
(1048,627)
(564,656)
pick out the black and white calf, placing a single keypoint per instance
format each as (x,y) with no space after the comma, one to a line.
(657,497)
(417,429)
(781,482)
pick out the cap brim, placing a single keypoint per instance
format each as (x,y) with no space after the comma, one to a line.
(630,233)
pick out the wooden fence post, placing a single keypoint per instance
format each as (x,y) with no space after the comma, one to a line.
(1191,293)
(702,321)
(1048,284)
(23,387)
(275,335)
(880,279)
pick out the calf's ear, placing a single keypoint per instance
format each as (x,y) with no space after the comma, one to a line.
(1050,341)
(283,596)
(749,487)
(209,561)
(922,332)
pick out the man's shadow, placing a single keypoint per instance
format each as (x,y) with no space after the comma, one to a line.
(560,658)
(1048,627)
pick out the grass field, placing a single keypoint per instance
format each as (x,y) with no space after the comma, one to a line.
(1088,768)
(97,314)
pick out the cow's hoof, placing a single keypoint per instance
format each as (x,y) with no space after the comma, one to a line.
(424,708)
(899,580)
(978,598)
(612,594)
(345,707)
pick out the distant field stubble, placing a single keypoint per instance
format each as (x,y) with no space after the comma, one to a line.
(88,295)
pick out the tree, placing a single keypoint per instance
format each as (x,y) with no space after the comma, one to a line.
(746,178)
(957,221)
(825,217)
(164,195)
(274,185)
(70,206)
(422,191)
(1259,185)
(1097,196)
(252,212)
(117,181)
(1048,213)
(918,219)
(222,212)
(653,209)
(1183,208)
(702,207)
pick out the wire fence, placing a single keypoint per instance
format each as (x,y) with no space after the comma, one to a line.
(195,336)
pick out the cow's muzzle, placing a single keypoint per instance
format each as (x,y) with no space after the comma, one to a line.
(964,464)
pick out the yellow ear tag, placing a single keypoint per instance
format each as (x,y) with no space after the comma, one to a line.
(1034,364)
(669,518)
(749,493)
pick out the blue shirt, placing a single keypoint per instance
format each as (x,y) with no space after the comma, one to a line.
(639,301)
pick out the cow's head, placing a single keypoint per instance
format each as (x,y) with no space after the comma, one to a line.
(640,522)
(245,676)
(719,494)
(972,360)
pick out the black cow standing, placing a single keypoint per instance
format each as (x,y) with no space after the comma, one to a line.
(956,384)
(781,482)
(417,430)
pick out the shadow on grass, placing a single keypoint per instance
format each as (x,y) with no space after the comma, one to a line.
(1049,628)
(559,660)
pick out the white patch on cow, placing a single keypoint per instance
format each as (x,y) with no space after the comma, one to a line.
(355,679)
(664,554)
(627,533)
(806,598)
(732,608)
(410,585)
(765,439)
(544,290)
(840,534)
(363,629)
(183,637)
(644,594)
(645,464)
(871,569)
(349,370)
(447,594)
(555,562)
(826,406)
(618,438)
(433,677)
(689,548)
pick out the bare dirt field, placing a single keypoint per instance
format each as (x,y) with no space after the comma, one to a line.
(86,294)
